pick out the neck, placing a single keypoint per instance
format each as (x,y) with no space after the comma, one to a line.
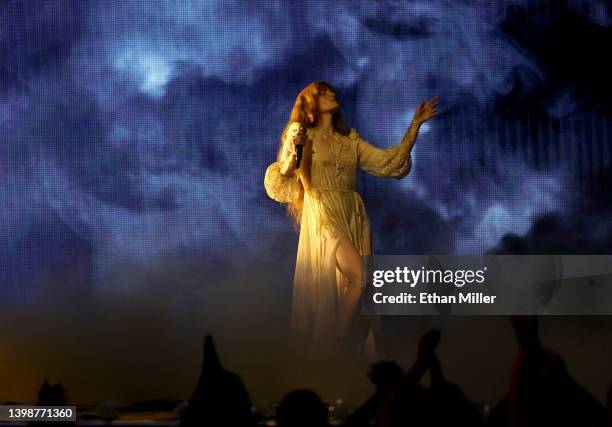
(325,121)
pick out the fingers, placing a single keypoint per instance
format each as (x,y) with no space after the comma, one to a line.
(297,139)
(427,109)
(433,105)
(434,99)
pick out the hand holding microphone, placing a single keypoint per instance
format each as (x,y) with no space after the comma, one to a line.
(296,138)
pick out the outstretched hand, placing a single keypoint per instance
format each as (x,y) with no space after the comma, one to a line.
(427,345)
(426,110)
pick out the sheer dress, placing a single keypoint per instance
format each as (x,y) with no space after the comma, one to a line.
(332,208)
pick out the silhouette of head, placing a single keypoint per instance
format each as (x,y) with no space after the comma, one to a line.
(211,359)
(385,374)
(51,394)
(301,408)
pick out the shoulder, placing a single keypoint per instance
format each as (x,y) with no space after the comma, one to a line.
(354,134)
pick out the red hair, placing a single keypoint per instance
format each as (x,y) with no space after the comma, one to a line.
(306,112)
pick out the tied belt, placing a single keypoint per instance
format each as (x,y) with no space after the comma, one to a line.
(358,203)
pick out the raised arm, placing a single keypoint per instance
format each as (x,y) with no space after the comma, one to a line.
(394,162)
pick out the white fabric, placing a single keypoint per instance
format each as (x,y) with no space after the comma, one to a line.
(332,208)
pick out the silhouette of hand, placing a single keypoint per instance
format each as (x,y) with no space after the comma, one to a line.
(428,344)
(526,330)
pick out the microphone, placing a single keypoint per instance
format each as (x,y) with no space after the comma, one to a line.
(299,149)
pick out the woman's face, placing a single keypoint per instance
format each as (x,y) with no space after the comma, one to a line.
(327,101)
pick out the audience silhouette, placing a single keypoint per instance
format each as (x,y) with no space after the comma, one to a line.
(609,403)
(220,397)
(51,395)
(302,408)
(386,376)
(443,403)
(540,393)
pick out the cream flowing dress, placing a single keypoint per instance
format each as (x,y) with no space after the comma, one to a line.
(332,208)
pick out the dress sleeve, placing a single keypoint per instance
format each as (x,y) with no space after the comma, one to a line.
(280,180)
(394,162)
(280,187)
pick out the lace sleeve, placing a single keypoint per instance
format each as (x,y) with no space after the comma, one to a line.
(280,187)
(281,182)
(394,162)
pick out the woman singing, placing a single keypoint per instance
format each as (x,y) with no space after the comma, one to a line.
(321,198)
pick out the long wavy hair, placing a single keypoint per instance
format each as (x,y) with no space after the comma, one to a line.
(306,112)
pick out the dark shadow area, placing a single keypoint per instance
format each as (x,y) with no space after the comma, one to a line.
(540,392)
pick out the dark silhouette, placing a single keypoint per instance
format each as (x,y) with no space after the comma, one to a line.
(301,408)
(220,397)
(385,376)
(443,403)
(51,395)
(541,392)
(609,403)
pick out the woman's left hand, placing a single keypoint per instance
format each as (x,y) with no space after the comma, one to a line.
(426,110)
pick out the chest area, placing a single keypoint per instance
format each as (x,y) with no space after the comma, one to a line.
(332,150)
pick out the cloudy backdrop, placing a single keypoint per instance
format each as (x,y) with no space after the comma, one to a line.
(133,140)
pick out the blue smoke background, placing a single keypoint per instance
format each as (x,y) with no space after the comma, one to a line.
(134,136)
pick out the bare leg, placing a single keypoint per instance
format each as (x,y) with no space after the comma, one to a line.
(349,263)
